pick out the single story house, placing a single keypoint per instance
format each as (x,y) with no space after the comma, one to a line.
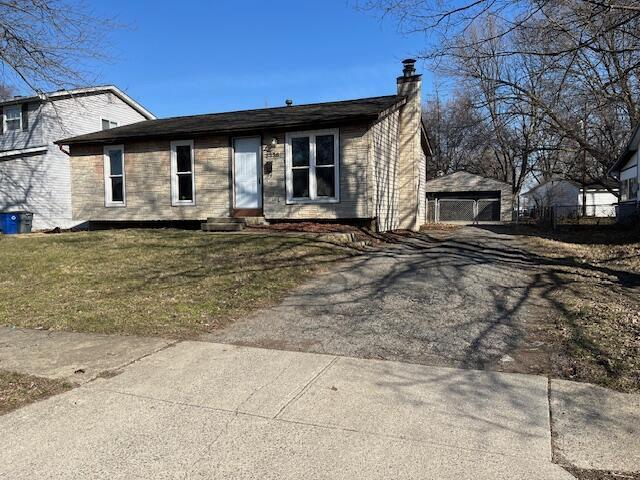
(358,161)
(35,176)
(463,197)
(625,170)
(599,200)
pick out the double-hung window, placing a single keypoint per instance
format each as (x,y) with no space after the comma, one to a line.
(114,181)
(183,187)
(107,124)
(13,117)
(629,189)
(312,166)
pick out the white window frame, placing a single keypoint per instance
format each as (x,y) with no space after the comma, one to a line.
(6,109)
(108,194)
(112,124)
(313,197)
(175,201)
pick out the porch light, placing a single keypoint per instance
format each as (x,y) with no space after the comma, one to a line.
(274,142)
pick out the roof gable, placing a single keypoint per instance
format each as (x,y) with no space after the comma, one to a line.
(629,150)
(465,179)
(78,92)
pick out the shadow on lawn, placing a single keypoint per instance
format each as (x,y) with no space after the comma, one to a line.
(185,257)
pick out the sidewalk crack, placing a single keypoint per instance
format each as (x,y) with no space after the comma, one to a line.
(306,387)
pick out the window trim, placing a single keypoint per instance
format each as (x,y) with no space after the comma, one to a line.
(108,193)
(102,119)
(313,198)
(625,189)
(17,107)
(175,202)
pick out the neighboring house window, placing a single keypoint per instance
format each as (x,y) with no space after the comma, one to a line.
(312,166)
(114,181)
(629,189)
(13,117)
(107,124)
(183,188)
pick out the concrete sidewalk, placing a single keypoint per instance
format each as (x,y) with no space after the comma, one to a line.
(75,357)
(200,410)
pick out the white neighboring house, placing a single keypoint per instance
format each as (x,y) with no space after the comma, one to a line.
(565,193)
(626,171)
(35,174)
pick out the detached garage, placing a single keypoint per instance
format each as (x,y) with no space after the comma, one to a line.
(462,197)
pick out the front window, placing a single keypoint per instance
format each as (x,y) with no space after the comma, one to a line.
(107,124)
(114,183)
(13,117)
(312,166)
(629,189)
(182,173)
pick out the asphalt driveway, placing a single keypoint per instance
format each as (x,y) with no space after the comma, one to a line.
(467,298)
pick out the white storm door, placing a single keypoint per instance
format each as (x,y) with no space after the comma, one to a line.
(247,171)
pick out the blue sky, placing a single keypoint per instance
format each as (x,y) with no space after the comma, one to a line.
(180,58)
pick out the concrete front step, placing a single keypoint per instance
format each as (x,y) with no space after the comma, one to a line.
(222,227)
(225,220)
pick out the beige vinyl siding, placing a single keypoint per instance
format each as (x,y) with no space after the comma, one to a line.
(384,171)
(422,191)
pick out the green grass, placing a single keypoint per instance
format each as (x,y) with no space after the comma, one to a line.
(17,389)
(170,283)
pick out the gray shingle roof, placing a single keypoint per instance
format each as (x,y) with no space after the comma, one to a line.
(245,121)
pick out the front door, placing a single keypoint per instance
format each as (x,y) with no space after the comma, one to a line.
(247,173)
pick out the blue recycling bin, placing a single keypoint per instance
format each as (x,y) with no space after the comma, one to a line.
(10,223)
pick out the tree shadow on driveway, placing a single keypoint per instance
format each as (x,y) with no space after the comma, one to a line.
(466,298)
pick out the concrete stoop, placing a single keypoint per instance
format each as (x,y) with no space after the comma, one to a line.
(230,224)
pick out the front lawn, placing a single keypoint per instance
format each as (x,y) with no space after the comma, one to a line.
(598,292)
(17,389)
(166,282)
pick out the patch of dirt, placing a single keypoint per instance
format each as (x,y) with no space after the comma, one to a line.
(582,474)
(598,336)
(307,227)
(439,227)
(17,389)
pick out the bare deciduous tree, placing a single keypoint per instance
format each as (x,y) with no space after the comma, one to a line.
(457,133)
(50,44)
(559,81)
(6,92)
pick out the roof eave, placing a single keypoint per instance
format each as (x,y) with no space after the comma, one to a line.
(128,138)
(629,150)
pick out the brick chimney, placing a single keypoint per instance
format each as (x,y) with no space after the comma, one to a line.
(410,156)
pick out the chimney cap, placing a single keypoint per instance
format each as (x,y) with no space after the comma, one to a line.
(288,102)
(409,68)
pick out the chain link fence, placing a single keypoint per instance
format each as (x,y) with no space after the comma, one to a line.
(601,214)
(454,210)
(488,210)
